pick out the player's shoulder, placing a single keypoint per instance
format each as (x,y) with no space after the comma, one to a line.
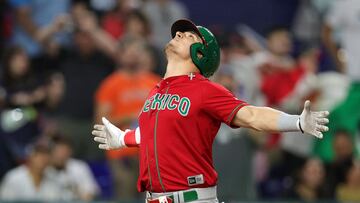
(208,85)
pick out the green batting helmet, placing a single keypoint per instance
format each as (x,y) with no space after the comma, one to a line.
(205,55)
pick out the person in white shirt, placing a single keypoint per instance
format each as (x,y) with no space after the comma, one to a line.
(30,181)
(74,176)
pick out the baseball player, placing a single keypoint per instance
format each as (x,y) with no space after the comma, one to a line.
(182,115)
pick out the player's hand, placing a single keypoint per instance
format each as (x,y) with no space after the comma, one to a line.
(108,136)
(313,122)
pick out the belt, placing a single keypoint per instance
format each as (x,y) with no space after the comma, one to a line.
(160,200)
(186,195)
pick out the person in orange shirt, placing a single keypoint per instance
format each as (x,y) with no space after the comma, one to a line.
(120,98)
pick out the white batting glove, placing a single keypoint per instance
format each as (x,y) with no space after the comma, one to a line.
(108,135)
(313,122)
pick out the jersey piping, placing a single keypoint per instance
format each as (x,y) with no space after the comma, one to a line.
(155,149)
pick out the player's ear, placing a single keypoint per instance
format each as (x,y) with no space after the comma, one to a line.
(198,55)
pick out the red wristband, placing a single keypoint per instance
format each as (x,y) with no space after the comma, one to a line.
(129,139)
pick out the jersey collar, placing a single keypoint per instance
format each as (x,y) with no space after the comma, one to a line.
(180,79)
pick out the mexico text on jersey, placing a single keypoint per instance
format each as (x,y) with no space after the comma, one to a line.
(169,102)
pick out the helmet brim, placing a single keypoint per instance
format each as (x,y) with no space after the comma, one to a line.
(184,25)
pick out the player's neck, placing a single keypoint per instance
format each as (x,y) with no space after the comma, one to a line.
(176,68)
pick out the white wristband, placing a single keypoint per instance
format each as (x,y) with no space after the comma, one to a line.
(137,135)
(122,138)
(288,123)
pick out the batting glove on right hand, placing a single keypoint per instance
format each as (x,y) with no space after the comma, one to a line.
(313,122)
(108,135)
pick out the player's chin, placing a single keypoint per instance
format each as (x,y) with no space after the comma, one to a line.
(168,47)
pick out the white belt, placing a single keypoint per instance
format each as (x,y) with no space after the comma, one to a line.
(193,194)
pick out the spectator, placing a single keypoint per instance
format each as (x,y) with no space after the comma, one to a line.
(161,14)
(344,154)
(261,69)
(73,176)
(349,192)
(286,83)
(22,93)
(300,82)
(38,25)
(137,27)
(311,181)
(148,60)
(120,98)
(83,67)
(343,146)
(279,45)
(114,22)
(30,181)
(244,63)
(20,85)
(292,88)
(342,17)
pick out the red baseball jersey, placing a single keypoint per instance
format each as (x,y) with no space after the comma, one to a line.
(178,124)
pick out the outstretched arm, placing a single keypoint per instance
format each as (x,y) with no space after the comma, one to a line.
(271,120)
(111,137)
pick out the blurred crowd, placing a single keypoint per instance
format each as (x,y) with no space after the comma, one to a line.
(67,63)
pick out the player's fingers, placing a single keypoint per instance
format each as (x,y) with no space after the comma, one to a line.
(104,146)
(321,114)
(98,133)
(105,121)
(100,140)
(99,127)
(108,125)
(318,134)
(322,128)
(322,121)
(307,105)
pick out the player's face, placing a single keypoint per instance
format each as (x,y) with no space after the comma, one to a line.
(180,44)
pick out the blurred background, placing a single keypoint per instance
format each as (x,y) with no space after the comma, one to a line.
(66,63)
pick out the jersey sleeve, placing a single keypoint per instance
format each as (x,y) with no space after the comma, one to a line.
(220,103)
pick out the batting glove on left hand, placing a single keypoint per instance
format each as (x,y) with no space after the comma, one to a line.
(108,135)
(313,122)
